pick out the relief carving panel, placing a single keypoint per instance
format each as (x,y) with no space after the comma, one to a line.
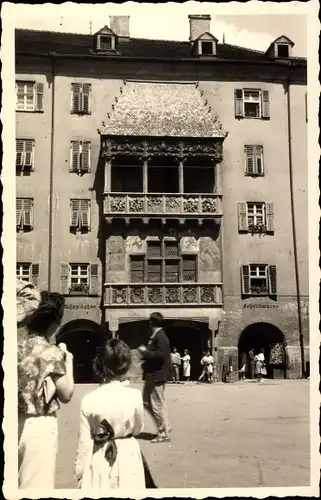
(209,260)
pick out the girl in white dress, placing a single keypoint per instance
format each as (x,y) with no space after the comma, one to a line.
(108,455)
(186,366)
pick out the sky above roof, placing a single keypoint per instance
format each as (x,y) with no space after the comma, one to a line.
(253,26)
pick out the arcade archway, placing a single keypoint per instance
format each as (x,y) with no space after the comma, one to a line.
(268,337)
(191,335)
(83,338)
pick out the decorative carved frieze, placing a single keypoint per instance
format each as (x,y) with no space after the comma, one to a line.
(163,294)
(147,147)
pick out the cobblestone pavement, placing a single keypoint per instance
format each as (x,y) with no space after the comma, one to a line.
(224,435)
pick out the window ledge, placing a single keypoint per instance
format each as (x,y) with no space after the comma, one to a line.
(36,111)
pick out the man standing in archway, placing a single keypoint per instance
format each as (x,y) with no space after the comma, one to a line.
(156,372)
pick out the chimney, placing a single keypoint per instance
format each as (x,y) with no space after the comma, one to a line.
(198,24)
(120,26)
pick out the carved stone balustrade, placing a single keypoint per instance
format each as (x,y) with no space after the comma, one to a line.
(169,294)
(153,205)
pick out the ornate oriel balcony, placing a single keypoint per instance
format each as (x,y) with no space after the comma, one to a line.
(162,205)
(169,294)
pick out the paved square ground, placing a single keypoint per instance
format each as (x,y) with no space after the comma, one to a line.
(224,435)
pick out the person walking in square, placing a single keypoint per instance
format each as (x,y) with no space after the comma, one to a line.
(204,367)
(260,368)
(252,364)
(108,455)
(209,365)
(176,364)
(186,366)
(156,372)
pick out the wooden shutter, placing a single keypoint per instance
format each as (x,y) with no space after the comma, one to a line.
(269,208)
(64,278)
(239,103)
(27,212)
(245,280)
(20,95)
(86,96)
(30,104)
(74,213)
(19,153)
(35,274)
(258,153)
(272,280)
(76,98)
(265,104)
(242,216)
(39,96)
(94,279)
(75,156)
(189,268)
(249,159)
(28,156)
(84,213)
(85,156)
(19,207)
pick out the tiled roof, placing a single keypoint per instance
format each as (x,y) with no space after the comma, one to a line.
(162,110)
(29,41)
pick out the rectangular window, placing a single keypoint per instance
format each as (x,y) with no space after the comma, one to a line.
(254,160)
(29,96)
(23,271)
(80,154)
(255,217)
(79,278)
(258,279)
(252,103)
(283,50)
(163,263)
(80,215)
(24,214)
(81,98)
(105,42)
(25,149)
(207,48)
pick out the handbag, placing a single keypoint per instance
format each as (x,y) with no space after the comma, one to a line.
(49,389)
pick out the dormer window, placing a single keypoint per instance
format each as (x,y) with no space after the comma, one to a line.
(205,45)
(282,50)
(105,40)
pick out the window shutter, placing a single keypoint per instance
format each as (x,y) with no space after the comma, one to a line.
(20,95)
(272,280)
(74,213)
(85,157)
(64,278)
(35,274)
(269,217)
(242,216)
(258,152)
(28,146)
(245,279)
(19,153)
(249,155)
(94,279)
(19,206)
(84,208)
(136,269)
(189,268)
(75,156)
(239,103)
(27,212)
(39,96)
(30,96)
(76,98)
(265,104)
(86,95)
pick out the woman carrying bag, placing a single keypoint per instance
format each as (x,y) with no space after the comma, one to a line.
(45,378)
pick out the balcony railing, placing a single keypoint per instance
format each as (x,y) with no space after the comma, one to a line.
(173,294)
(159,204)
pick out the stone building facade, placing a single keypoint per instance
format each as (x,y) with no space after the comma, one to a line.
(166,176)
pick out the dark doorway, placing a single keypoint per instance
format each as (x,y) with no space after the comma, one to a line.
(268,337)
(83,338)
(186,336)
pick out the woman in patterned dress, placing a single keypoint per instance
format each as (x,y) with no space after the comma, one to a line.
(45,377)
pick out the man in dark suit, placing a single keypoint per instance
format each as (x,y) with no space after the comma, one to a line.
(156,372)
